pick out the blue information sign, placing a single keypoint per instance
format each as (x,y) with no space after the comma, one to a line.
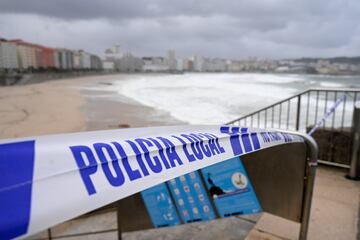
(160,206)
(191,198)
(230,188)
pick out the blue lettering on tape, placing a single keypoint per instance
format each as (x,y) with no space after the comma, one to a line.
(195,146)
(116,179)
(86,168)
(133,174)
(15,189)
(153,155)
(171,152)
(204,148)
(265,137)
(234,139)
(255,141)
(246,141)
(161,152)
(190,157)
(138,157)
(155,165)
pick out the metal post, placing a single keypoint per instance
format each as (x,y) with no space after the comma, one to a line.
(354,172)
(309,185)
(312,149)
(298,113)
(118,220)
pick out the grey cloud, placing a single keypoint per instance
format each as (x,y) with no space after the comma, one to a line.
(232,28)
(120,9)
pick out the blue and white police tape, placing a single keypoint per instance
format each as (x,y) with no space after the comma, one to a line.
(327,114)
(50,179)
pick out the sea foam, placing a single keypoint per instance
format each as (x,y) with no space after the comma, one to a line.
(207,98)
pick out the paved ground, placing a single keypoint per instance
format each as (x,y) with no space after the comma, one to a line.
(335,206)
(334,215)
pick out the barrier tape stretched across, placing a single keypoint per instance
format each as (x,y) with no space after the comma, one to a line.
(50,179)
(327,114)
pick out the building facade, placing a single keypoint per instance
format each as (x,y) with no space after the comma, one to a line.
(85,60)
(8,55)
(76,60)
(130,63)
(171,60)
(63,59)
(155,64)
(198,64)
(27,55)
(49,57)
(108,66)
(113,53)
(95,62)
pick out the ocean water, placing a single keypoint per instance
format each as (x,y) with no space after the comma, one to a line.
(199,98)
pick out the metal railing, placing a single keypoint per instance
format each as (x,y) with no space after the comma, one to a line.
(303,110)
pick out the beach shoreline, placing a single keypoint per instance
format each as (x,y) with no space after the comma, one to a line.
(109,109)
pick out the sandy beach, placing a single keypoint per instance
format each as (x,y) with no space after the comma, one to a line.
(39,109)
(64,106)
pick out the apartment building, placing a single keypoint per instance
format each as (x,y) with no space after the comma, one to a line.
(26,53)
(8,55)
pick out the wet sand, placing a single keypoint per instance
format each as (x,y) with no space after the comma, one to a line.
(64,106)
(108,110)
(40,109)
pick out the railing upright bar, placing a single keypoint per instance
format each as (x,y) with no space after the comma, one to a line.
(258,120)
(316,107)
(265,118)
(333,118)
(288,115)
(343,114)
(280,111)
(251,120)
(307,110)
(298,113)
(325,108)
(272,117)
(354,101)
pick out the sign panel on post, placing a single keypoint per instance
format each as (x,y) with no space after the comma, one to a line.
(230,188)
(191,198)
(160,206)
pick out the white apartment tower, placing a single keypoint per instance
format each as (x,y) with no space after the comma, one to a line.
(171,60)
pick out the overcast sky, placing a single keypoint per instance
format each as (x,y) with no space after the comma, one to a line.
(215,28)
